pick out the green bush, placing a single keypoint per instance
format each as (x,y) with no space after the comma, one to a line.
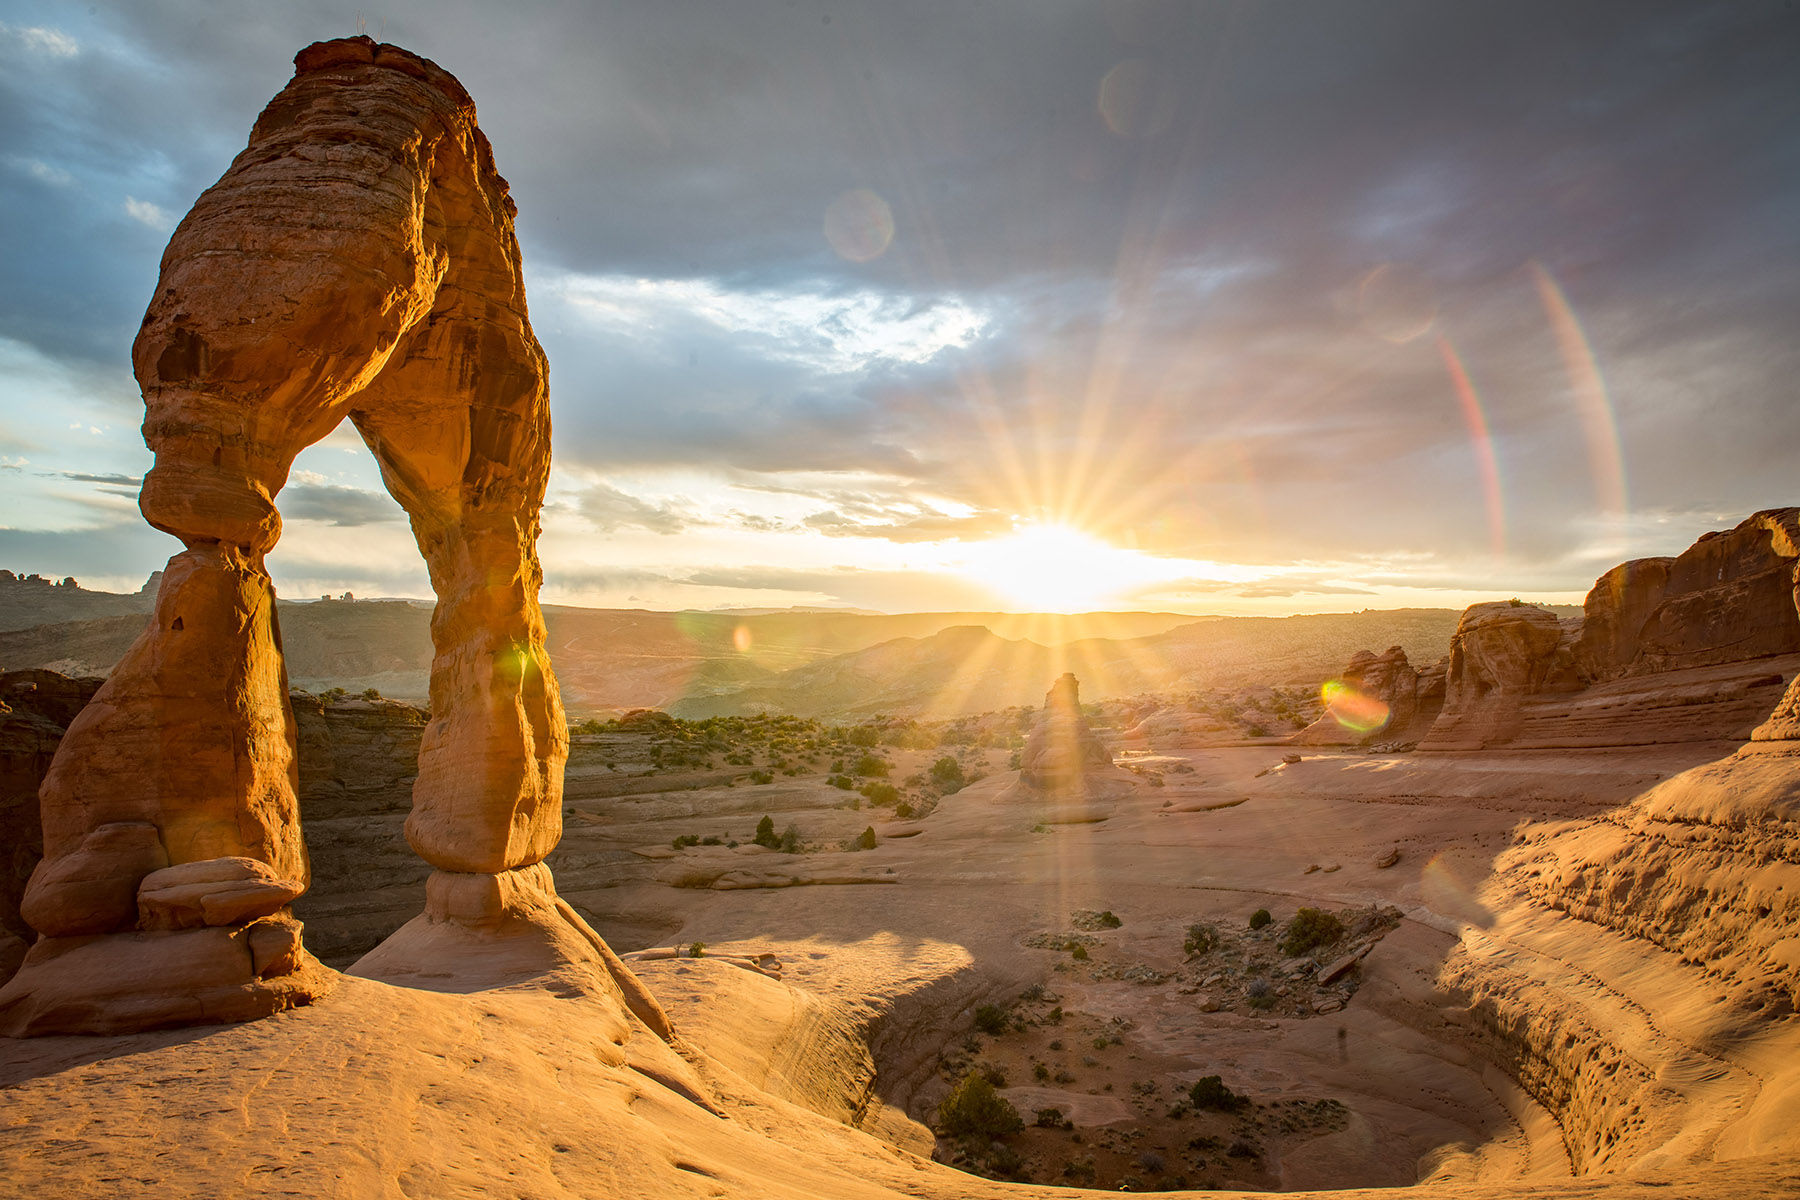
(1310,928)
(975,1110)
(686,840)
(697,950)
(762,777)
(1210,1092)
(841,781)
(880,793)
(870,766)
(790,840)
(1079,953)
(1049,1118)
(991,1019)
(765,833)
(1201,939)
(947,775)
(867,839)
(1106,920)
(1259,918)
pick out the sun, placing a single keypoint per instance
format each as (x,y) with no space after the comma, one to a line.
(1056,568)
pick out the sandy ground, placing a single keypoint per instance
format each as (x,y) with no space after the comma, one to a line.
(383,1091)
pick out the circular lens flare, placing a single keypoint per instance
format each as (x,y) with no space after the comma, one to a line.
(741,639)
(859,225)
(1354,710)
(1136,99)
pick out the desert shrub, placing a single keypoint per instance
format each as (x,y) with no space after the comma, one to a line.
(863,735)
(1209,1091)
(841,781)
(1106,920)
(947,775)
(1100,1043)
(903,810)
(870,766)
(790,840)
(1049,1118)
(1079,953)
(866,840)
(765,833)
(993,1074)
(712,841)
(991,1019)
(762,777)
(975,1109)
(1041,1073)
(686,840)
(880,793)
(697,950)
(1152,1162)
(1259,918)
(371,694)
(1310,928)
(1201,939)
(1003,1160)
(1243,1149)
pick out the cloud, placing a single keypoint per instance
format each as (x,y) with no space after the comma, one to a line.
(336,505)
(149,215)
(610,510)
(40,40)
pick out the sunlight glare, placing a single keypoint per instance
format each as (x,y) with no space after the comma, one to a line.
(1053,568)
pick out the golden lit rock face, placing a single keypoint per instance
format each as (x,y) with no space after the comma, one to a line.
(357,260)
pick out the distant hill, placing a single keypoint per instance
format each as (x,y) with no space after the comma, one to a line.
(28,600)
(812,663)
(970,669)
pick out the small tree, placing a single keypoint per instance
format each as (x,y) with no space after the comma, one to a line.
(765,833)
(1210,1092)
(1311,927)
(790,840)
(975,1110)
(867,840)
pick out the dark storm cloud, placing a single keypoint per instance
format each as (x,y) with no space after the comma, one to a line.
(1174,340)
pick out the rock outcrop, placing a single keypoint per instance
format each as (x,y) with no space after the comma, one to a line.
(1377,697)
(1686,649)
(357,261)
(1065,771)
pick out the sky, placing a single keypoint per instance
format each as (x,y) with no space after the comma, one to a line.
(1190,306)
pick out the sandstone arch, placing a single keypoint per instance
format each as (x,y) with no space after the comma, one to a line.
(357,261)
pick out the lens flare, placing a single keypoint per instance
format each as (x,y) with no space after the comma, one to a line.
(741,639)
(1352,709)
(1397,303)
(1136,99)
(1481,441)
(1588,387)
(859,225)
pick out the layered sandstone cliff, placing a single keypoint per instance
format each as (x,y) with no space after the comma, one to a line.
(1687,649)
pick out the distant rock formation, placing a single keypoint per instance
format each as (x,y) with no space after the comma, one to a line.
(1065,770)
(357,260)
(1378,697)
(1061,749)
(1691,648)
